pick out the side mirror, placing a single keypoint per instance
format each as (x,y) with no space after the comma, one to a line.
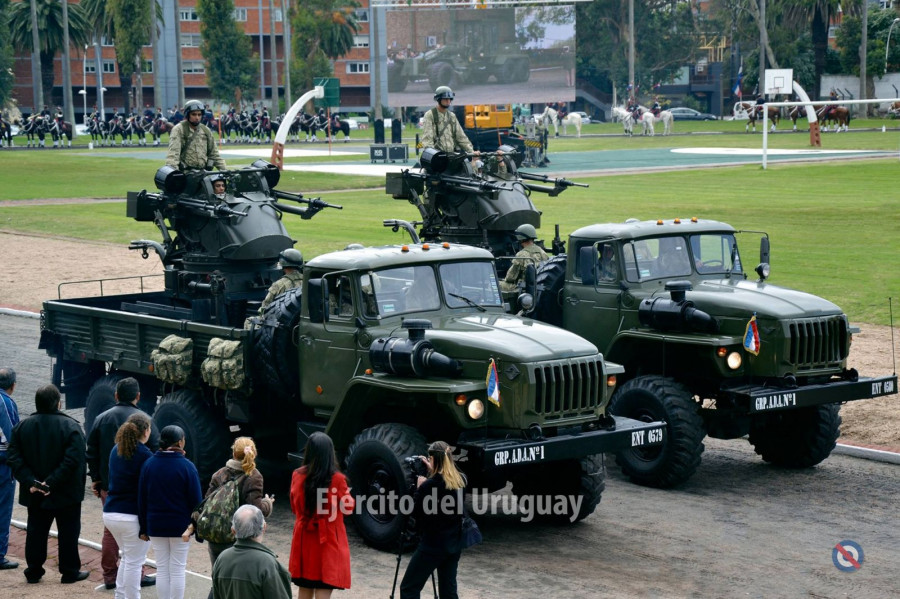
(530,280)
(764,250)
(588,258)
(316,291)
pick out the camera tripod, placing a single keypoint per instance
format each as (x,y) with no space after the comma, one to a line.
(408,536)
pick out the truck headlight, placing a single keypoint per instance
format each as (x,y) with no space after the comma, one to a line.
(734,360)
(475,409)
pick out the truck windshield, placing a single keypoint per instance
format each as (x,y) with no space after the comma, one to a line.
(715,253)
(467,283)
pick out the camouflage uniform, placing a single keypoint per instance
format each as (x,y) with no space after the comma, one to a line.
(532,254)
(443,132)
(193,148)
(287,282)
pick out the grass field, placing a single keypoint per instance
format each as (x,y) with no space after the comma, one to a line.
(834,227)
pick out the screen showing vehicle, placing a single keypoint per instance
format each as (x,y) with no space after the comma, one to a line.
(521,54)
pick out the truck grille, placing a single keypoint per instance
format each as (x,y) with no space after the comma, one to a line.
(567,387)
(818,342)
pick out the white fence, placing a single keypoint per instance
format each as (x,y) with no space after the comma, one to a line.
(765,115)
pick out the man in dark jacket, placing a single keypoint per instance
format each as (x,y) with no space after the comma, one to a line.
(99,445)
(249,569)
(46,454)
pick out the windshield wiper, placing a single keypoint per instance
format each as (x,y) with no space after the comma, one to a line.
(468,301)
(733,256)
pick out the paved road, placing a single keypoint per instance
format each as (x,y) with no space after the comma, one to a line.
(739,528)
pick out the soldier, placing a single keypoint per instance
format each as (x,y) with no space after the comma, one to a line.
(531,253)
(291,263)
(608,262)
(441,129)
(219,188)
(192,144)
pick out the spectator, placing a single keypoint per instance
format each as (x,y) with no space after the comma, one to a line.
(441,527)
(320,551)
(46,453)
(100,443)
(242,463)
(249,569)
(168,492)
(120,510)
(9,418)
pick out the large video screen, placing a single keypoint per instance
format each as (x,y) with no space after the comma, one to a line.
(488,56)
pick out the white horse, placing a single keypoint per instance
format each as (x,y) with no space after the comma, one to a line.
(627,119)
(667,120)
(572,119)
(647,122)
(550,115)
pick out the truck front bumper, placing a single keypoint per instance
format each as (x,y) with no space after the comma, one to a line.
(768,399)
(628,433)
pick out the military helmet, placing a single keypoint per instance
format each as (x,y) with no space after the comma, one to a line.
(443,93)
(525,231)
(192,106)
(291,258)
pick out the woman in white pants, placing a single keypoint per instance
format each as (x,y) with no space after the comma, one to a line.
(169,490)
(120,512)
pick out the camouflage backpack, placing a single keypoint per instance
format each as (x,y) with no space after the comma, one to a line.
(217,510)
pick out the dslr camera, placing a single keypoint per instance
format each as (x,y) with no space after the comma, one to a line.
(417,465)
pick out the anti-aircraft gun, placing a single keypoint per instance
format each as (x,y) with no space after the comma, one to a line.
(480,203)
(220,253)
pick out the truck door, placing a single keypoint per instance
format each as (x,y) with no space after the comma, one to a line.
(591,295)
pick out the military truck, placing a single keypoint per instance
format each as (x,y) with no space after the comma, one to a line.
(707,347)
(382,348)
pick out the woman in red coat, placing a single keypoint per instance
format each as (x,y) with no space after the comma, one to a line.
(320,552)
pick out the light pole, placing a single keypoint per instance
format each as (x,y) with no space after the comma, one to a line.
(102,114)
(83,94)
(83,91)
(888,44)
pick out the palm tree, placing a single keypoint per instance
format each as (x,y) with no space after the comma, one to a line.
(338,29)
(323,28)
(50,26)
(817,13)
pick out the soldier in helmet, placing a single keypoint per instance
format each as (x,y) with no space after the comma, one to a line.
(441,129)
(531,253)
(291,263)
(192,144)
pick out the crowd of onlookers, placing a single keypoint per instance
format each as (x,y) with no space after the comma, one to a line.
(152,498)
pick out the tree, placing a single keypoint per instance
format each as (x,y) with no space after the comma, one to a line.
(817,15)
(849,37)
(229,59)
(131,19)
(6,56)
(323,29)
(49,17)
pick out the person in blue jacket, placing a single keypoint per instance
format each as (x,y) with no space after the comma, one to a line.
(168,493)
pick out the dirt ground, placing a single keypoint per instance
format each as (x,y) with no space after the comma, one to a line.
(872,423)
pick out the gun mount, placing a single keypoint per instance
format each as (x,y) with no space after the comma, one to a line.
(476,203)
(219,251)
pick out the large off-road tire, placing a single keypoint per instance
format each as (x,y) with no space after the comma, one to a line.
(797,438)
(207,440)
(376,467)
(101,397)
(276,355)
(549,284)
(396,79)
(442,73)
(584,478)
(521,70)
(77,380)
(654,398)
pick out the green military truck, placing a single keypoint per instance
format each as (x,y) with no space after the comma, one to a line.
(707,347)
(382,348)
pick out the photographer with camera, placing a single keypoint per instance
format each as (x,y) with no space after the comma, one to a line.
(438,513)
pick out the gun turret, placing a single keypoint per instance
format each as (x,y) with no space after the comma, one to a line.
(559,185)
(313,206)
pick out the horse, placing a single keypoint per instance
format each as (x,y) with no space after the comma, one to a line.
(894,110)
(309,124)
(230,125)
(752,115)
(572,119)
(158,127)
(5,133)
(337,125)
(667,119)
(98,130)
(627,119)
(118,126)
(648,120)
(548,117)
(839,115)
(34,129)
(59,129)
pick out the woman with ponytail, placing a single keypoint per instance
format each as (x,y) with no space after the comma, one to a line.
(241,467)
(320,497)
(438,513)
(120,512)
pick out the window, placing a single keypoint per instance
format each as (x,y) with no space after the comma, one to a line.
(278,15)
(190,40)
(715,253)
(470,283)
(357,67)
(193,66)
(107,42)
(147,66)
(362,15)
(90,67)
(240,14)
(188,14)
(360,41)
(109,66)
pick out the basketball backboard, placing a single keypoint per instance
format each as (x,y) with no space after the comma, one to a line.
(779,81)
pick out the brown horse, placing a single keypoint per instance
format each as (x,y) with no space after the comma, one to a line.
(752,115)
(838,115)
